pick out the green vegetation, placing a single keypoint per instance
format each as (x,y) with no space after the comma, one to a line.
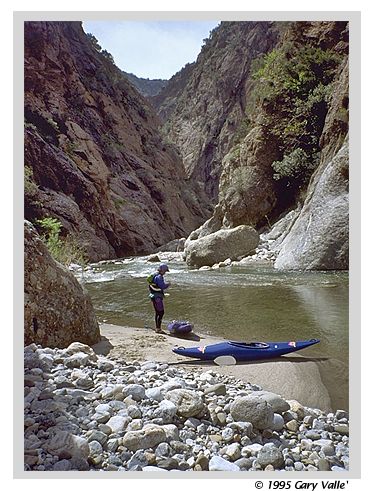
(29,126)
(234,154)
(111,144)
(64,250)
(95,43)
(30,187)
(293,84)
(295,166)
(295,71)
(242,130)
(119,203)
(70,148)
(108,56)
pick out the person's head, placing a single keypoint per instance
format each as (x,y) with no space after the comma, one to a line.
(163,268)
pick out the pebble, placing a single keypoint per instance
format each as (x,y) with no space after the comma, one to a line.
(84,412)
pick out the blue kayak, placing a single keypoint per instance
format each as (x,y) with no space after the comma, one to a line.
(244,351)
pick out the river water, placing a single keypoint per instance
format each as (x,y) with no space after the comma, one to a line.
(243,302)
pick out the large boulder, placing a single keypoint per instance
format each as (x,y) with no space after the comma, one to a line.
(57,310)
(270,455)
(188,402)
(66,446)
(319,238)
(150,436)
(218,246)
(253,409)
(278,404)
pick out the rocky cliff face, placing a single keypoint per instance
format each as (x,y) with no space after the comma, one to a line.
(165,101)
(291,118)
(319,235)
(319,238)
(94,157)
(204,106)
(249,192)
(57,309)
(258,121)
(147,87)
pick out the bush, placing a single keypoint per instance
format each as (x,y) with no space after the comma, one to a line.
(296,167)
(294,83)
(30,187)
(108,56)
(94,41)
(65,251)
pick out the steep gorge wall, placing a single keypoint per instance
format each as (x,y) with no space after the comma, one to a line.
(313,61)
(319,236)
(204,106)
(248,190)
(94,157)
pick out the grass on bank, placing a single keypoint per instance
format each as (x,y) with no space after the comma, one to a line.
(65,250)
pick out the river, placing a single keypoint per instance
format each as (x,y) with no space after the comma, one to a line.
(243,302)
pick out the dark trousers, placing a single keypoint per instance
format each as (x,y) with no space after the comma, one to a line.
(159,311)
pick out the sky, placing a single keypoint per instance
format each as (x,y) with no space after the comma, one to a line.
(151,49)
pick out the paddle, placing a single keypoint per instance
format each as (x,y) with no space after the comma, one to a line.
(225,360)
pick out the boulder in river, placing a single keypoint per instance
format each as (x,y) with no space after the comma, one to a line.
(221,245)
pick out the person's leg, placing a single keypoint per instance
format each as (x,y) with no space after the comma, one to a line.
(156,314)
(159,312)
(159,321)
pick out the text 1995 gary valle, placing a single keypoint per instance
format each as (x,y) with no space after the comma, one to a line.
(310,486)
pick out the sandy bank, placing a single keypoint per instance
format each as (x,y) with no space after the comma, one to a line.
(293,377)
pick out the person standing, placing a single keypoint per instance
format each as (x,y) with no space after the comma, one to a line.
(157,287)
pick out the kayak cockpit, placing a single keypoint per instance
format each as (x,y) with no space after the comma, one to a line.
(252,345)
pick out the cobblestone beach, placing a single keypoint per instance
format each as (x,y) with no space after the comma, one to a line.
(87,412)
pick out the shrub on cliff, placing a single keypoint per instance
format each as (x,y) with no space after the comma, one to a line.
(295,167)
(293,84)
(64,250)
(30,187)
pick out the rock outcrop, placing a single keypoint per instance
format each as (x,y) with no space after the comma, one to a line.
(248,191)
(57,309)
(319,238)
(219,246)
(94,156)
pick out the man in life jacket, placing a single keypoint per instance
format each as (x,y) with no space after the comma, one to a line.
(157,286)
